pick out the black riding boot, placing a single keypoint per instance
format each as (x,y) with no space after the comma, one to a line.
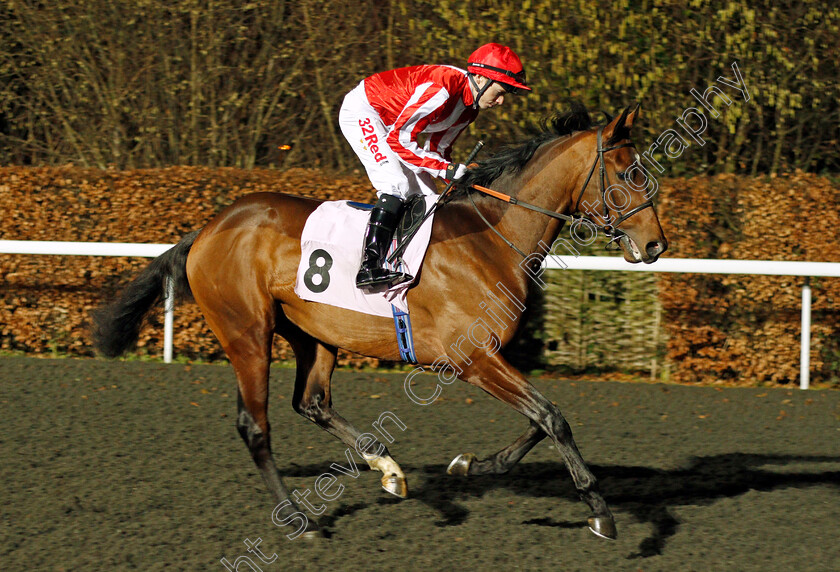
(384,218)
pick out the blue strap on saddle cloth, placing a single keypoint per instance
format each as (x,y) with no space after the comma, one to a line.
(405,339)
(402,320)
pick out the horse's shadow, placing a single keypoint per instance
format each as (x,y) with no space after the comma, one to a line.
(648,494)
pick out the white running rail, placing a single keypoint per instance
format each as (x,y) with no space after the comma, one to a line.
(712,266)
(703,266)
(103,249)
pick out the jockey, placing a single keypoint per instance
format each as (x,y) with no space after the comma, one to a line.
(384,115)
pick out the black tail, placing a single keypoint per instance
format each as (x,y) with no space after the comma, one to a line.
(116,326)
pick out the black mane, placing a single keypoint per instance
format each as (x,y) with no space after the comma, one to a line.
(513,158)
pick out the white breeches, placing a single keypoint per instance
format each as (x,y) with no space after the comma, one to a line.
(367,135)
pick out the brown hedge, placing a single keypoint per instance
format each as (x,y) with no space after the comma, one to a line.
(742,328)
(45,301)
(721,328)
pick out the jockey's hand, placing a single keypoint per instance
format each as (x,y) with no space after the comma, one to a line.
(455,171)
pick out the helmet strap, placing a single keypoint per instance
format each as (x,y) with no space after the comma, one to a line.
(479,92)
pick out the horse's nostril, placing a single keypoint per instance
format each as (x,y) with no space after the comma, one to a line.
(654,248)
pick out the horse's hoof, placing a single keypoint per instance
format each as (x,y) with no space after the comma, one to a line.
(460,465)
(395,485)
(312,535)
(603,526)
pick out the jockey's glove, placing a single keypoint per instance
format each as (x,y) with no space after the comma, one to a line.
(455,171)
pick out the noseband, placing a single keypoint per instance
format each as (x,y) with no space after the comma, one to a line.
(610,230)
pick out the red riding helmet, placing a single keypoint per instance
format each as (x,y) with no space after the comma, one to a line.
(501,64)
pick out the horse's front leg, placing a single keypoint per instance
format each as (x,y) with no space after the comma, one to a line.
(497,377)
(312,399)
(502,461)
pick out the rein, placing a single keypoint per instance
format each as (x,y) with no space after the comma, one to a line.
(610,230)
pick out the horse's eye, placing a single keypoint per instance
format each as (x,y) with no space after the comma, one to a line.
(621,175)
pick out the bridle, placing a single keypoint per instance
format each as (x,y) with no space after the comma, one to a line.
(610,230)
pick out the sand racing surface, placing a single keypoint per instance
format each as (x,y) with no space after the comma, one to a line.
(110,465)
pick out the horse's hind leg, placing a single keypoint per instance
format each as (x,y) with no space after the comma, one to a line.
(244,324)
(312,400)
(502,461)
(250,356)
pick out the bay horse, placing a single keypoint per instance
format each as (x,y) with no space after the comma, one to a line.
(240,269)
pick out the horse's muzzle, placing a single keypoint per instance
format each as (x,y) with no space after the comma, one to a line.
(633,254)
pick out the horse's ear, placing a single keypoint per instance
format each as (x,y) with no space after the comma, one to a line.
(619,128)
(633,111)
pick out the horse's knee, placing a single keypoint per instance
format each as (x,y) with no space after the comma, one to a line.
(556,426)
(313,408)
(562,430)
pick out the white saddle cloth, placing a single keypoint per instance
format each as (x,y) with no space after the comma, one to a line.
(331,251)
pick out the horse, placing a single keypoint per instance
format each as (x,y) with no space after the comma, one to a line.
(240,269)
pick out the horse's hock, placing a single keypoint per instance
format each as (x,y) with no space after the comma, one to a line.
(602,320)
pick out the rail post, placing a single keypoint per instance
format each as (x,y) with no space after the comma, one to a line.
(168,319)
(805,342)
